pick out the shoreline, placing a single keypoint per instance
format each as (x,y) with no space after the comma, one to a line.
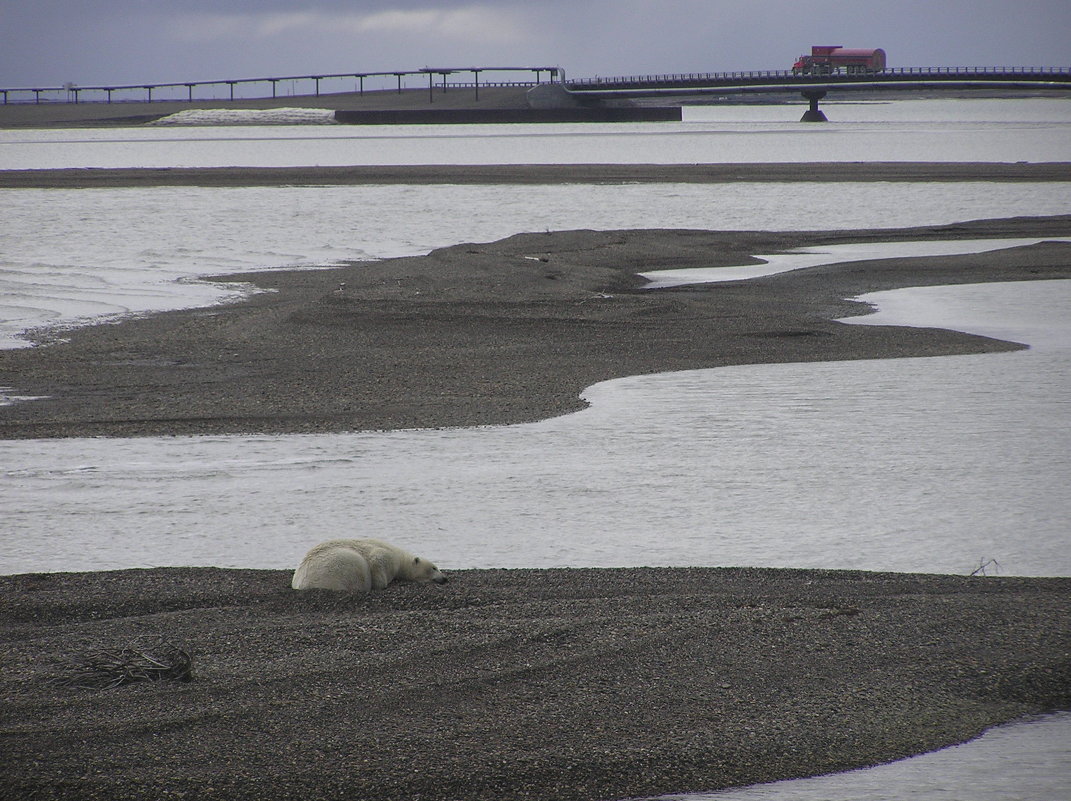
(91,177)
(559,684)
(487,334)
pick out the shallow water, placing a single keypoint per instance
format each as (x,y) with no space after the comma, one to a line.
(1035,130)
(915,465)
(801,258)
(1028,761)
(66,255)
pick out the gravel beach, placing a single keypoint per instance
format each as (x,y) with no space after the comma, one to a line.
(486,333)
(528,684)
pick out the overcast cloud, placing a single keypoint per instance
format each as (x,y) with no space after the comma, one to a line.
(93,42)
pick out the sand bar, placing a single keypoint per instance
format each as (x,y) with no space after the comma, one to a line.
(556,685)
(486,333)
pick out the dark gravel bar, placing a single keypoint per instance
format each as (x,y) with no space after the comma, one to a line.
(556,685)
(486,333)
(791,172)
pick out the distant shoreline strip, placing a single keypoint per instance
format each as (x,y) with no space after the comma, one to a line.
(82,178)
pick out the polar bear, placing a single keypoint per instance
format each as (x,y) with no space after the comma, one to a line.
(360,566)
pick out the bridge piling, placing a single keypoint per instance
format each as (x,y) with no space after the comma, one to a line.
(814,114)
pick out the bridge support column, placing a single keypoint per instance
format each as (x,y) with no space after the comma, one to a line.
(814,114)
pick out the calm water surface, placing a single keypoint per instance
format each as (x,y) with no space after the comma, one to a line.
(915,465)
(1037,129)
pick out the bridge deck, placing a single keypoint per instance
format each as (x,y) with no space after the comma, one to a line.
(789,79)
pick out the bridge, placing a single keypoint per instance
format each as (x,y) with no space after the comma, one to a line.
(106,93)
(812,87)
(551,92)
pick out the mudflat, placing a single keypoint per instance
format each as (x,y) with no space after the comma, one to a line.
(557,685)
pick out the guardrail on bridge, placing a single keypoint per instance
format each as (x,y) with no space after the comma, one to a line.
(106,93)
(792,77)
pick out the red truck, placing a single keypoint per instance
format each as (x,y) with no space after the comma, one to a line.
(828,59)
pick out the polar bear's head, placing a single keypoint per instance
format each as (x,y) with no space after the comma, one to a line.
(423,571)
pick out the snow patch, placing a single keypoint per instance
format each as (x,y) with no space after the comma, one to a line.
(234,116)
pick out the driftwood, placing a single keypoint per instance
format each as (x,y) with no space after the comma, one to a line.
(109,668)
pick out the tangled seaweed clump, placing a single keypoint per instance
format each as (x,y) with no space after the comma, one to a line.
(110,668)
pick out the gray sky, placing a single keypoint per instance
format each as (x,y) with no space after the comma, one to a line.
(93,42)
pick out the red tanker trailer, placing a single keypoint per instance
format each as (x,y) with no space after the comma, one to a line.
(827,59)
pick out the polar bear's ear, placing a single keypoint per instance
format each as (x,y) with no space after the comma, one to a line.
(416,560)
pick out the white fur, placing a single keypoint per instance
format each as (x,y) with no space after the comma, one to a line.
(359,566)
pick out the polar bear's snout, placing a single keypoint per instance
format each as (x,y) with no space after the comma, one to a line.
(429,572)
(425,571)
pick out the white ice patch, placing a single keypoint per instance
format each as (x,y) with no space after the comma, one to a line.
(235,116)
